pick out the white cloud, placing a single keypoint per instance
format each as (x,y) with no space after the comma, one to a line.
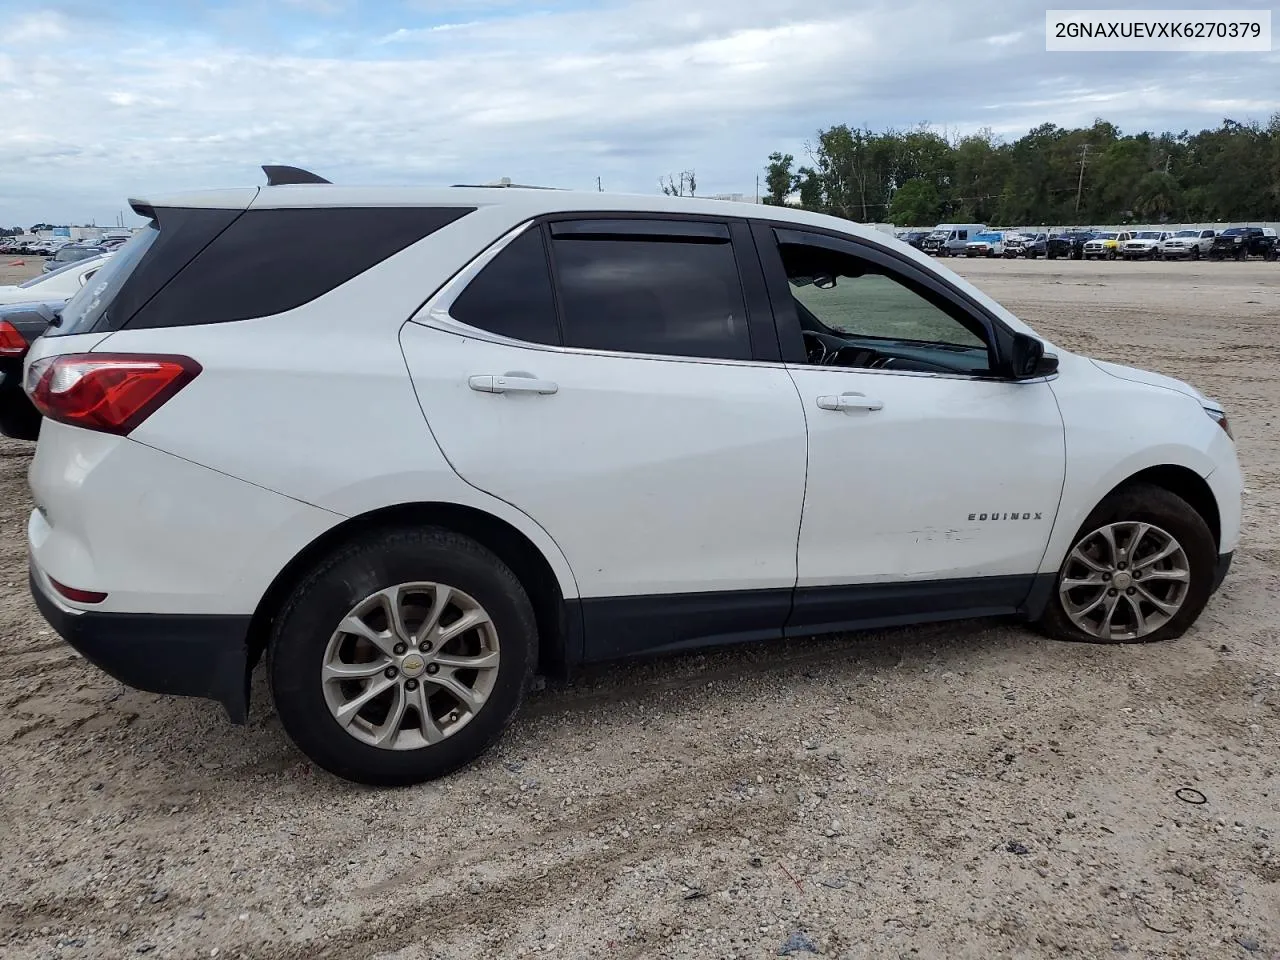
(42,26)
(627,91)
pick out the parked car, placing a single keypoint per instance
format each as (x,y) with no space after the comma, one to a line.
(950,239)
(1028,245)
(20,325)
(1241,243)
(1192,244)
(990,244)
(71,253)
(61,283)
(1068,245)
(915,238)
(1144,245)
(1103,246)
(531,470)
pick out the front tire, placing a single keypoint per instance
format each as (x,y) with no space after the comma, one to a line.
(1140,570)
(402,656)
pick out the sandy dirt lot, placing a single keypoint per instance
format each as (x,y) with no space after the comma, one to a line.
(966,791)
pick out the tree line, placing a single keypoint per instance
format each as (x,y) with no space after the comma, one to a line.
(1052,175)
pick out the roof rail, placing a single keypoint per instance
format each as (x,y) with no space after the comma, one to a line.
(280,175)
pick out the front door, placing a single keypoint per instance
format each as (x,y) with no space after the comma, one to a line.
(932,484)
(601,376)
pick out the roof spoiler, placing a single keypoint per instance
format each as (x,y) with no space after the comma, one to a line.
(280,175)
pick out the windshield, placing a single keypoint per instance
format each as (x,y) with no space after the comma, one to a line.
(72,254)
(987,238)
(90,304)
(1235,231)
(1187,233)
(1147,235)
(1104,236)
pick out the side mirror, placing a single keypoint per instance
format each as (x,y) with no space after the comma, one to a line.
(1027,360)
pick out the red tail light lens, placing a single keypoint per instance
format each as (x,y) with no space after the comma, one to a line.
(108,392)
(79,596)
(12,343)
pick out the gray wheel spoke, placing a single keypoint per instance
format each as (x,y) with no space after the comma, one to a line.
(427,725)
(1140,618)
(1131,548)
(1108,536)
(355,671)
(347,712)
(439,600)
(1076,584)
(1088,561)
(1167,608)
(356,627)
(459,691)
(387,731)
(1175,575)
(1105,628)
(468,621)
(1092,605)
(1168,550)
(486,661)
(390,600)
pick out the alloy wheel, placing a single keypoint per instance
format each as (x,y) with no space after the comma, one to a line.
(410,665)
(1124,581)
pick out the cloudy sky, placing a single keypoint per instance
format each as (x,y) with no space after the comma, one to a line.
(103,99)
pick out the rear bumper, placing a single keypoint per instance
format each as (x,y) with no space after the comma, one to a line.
(183,655)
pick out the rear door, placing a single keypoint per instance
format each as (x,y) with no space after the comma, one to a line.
(618,380)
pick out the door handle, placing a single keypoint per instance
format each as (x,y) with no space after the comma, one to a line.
(850,401)
(488,383)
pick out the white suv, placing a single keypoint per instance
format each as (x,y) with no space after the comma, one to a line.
(500,431)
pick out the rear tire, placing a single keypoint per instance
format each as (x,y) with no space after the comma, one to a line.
(1160,514)
(1195,253)
(342,605)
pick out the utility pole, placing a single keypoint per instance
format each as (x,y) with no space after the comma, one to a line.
(1084,156)
(757,188)
(599,188)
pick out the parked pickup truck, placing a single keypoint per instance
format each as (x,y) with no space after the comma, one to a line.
(1192,244)
(1069,245)
(1145,245)
(985,245)
(1240,243)
(1104,245)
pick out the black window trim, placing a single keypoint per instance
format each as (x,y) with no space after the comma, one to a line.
(761,329)
(770,233)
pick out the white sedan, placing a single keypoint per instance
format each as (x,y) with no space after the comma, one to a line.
(56,285)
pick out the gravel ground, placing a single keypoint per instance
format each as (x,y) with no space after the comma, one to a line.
(964,791)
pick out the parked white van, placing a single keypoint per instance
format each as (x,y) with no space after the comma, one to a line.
(950,239)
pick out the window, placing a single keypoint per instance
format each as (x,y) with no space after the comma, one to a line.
(853,312)
(269,261)
(676,296)
(512,295)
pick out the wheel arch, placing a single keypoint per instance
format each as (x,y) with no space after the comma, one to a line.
(1178,479)
(559,634)
(1185,483)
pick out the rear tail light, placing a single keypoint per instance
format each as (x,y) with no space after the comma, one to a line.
(12,343)
(108,392)
(79,596)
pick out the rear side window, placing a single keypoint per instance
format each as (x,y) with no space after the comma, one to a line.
(657,295)
(512,295)
(104,286)
(270,261)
